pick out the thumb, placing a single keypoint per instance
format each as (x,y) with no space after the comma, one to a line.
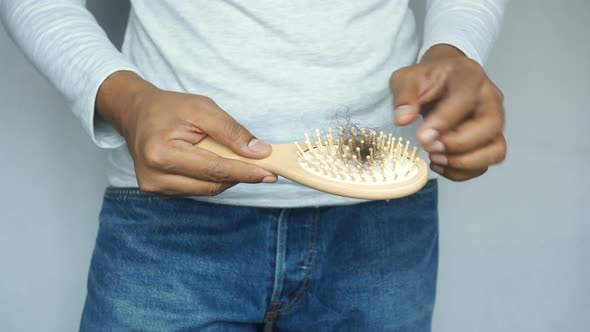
(227,131)
(406,86)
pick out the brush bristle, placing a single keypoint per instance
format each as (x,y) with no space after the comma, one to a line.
(359,156)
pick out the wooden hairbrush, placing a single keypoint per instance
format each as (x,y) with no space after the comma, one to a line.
(358,163)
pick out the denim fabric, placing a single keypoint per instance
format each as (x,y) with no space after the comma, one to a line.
(183,265)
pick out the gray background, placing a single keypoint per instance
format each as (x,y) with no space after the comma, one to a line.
(514,243)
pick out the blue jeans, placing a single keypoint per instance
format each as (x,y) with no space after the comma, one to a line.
(182,265)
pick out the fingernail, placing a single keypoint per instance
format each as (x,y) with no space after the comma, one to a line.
(270,179)
(437,146)
(404,113)
(428,136)
(437,169)
(439,159)
(404,110)
(258,146)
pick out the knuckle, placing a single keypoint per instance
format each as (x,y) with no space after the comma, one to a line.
(495,114)
(504,144)
(253,177)
(235,130)
(487,91)
(502,151)
(454,176)
(217,173)
(197,103)
(497,153)
(461,176)
(448,67)
(154,155)
(458,163)
(206,101)
(473,65)
(490,91)
(148,186)
(402,74)
(494,159)
(454,144)
(397,75)
(214,189)
(492,127)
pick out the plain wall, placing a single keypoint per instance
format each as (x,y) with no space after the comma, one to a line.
(514,243)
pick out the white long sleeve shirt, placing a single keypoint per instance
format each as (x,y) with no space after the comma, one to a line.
(280,68)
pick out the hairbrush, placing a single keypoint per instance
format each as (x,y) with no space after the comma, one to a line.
(357,163)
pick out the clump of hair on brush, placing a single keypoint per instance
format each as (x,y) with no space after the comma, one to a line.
(365,147)
(356,154)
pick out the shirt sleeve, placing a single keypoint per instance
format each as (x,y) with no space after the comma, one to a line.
(471,26)
(65,43)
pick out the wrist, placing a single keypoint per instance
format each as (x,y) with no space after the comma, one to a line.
(441,51)
(118,96)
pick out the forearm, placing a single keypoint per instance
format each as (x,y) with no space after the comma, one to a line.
(470,26)
(66,44)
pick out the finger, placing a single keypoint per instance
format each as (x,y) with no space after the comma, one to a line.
(183,158)
(447,114)
(486,125)
(457,175)
(406,85)
(490,154)
(227,131)
(197,163)
(437,86)
(169,185)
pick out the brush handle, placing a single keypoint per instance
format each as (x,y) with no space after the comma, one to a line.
(281,157)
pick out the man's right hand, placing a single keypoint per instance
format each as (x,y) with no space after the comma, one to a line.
(162,129)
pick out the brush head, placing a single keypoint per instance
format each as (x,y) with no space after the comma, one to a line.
(359,157)
(355,163)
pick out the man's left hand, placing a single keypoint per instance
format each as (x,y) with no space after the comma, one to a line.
(462,109)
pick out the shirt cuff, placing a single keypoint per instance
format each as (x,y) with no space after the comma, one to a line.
(469,50)
(470,26)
